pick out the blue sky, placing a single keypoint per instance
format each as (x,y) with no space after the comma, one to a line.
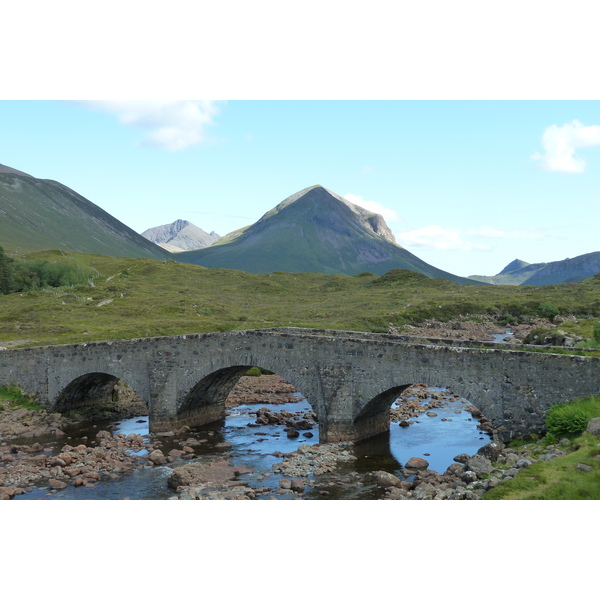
(467,186)
(474,128)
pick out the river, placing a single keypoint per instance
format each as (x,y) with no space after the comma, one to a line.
(438,439)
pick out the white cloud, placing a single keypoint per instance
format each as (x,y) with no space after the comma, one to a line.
(387,213)
(514,234)
(171,125)
(434,237)
(560,143)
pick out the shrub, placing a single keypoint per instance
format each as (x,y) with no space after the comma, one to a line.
(548,310)
(567,420)
(597,332)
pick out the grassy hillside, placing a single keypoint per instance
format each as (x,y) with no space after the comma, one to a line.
(131,298)
(38,214)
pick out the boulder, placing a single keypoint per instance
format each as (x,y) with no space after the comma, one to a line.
(593,426)
(7,493)
(479,465)
(297,485)
(455,469)
(468,476)
(157,457)
(56,484)
(216,472)
(461,458)
(491,451)
(386,479)
(424,491)
(416,463)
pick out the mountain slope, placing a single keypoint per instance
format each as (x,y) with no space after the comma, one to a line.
(182,235)
(40,214)
(315,231)
(569,270)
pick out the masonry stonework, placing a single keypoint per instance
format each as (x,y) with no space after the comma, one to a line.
(350,378)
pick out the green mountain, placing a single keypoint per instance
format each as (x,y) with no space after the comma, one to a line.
(315,231)
(569,270)
(40,214)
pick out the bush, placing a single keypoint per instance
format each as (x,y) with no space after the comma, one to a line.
(548,310)
(597,332)
(567,420)
(28,275)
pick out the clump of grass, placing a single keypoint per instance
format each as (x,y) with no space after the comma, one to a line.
(570,419)
(253,372)
(11,397)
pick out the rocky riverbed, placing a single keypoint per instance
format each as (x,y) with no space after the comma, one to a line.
(481,330)
(38,453)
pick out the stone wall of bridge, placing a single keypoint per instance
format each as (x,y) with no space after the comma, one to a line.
(350,379)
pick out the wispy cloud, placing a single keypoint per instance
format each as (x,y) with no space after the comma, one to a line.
(560,143)
(435,237)
(171,125)
(387,213)
(486,231)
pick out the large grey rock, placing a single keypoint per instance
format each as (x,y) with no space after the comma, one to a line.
(461,458)
(425,491)
(479,465)
(386,479)
(491,451)
(593,426)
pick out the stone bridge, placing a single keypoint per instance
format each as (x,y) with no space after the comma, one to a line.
(350,379)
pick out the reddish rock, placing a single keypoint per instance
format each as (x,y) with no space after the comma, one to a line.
(56,484)
(416,463)
(157,457)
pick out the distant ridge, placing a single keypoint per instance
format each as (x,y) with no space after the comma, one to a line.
(570,270)
(315,230)
(180,235)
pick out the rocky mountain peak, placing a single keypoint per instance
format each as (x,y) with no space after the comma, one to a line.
(181,235)
(513,266)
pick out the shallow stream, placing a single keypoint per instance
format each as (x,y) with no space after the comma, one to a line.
(432,438)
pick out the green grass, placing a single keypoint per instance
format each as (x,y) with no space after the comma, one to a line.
(560,478)
(556,479)
(11,397)
(137,297)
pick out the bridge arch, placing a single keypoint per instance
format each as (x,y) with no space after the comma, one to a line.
(94,389)
(372,413)
(203,400)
